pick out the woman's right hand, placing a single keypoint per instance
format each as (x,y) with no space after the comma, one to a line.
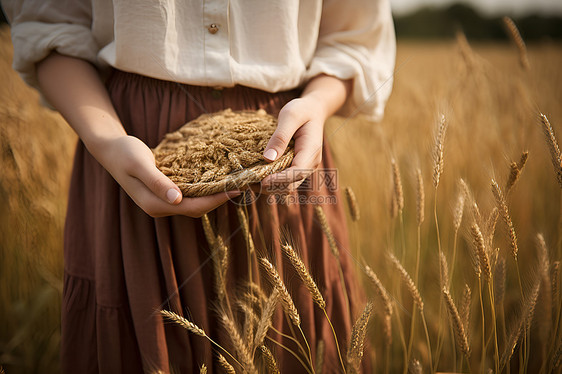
(73,86)
(131,163)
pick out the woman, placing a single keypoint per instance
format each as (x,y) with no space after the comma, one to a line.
(124,73)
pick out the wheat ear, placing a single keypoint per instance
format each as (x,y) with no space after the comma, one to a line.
(245,229)
(286,299)
(438,151)
(320,351)
(327,230)
(203,369)
(265,320)
(304,275)
(553,148)
(239,344)
(518,40)
(183,322)
(504,210)
(460,333)
(398,189)
(444,268)
(352,203)
(269,359)
(229,369)
(407,280)
(357,340)
(480,250)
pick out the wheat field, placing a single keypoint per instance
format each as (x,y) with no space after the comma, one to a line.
(490,104)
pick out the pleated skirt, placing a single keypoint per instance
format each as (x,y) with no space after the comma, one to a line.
(122,266)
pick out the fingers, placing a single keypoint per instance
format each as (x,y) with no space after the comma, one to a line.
(191,207)
(289,121)
(158,183)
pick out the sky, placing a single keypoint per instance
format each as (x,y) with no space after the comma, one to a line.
(488,7)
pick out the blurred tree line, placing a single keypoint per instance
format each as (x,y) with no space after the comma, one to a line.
(443,22)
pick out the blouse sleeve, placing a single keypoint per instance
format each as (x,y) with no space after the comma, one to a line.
(356,41)
(41,26)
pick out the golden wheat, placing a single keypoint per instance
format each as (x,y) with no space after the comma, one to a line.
(229,369)
(398,189)
(504,210)
(513,32)
(407,280)
(304,275)
(357,340)
(270,362)
(327,230)
(553,147)
(352,203)
(458,327)
(420,198)
(438,150)
(286,299)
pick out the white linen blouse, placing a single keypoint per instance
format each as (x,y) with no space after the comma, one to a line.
(272,45)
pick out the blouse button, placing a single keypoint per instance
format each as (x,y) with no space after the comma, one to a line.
(213,28)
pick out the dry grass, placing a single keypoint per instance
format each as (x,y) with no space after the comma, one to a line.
(492,116)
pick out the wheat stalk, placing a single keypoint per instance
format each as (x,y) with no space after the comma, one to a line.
(554,281)
(444,271)
(352,203)
(304,275)
(524,322)
(459,206)
(515,171)
(380,290)
(320,351)
(357,339)
(183,322)
(286,299)
(245,229)
(397,183)
(499,281)
(250,318)
(518,40)
(480,250)
(420,197)
(553,148)
(327,231)
(491,226)
(239,344)
(464,312)
(208,230)
(502,206)
(438,151)
(407,280)
(229,369)
(270,362)
(265,320)
(460,333)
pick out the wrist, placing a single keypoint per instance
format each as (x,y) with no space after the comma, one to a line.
(101,135)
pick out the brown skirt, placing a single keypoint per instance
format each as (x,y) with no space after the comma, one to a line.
(122,266)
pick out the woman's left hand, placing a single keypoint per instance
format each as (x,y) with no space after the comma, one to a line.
(303,120)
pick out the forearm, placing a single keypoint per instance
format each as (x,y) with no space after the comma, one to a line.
(329,91)
(74,88)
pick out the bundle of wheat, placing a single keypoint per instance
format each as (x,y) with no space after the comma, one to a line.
(219,152)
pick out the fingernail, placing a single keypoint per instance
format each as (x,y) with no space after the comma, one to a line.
(172,195)
(270,154)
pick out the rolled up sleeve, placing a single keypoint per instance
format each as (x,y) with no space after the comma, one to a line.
(39,27)
(357,41)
